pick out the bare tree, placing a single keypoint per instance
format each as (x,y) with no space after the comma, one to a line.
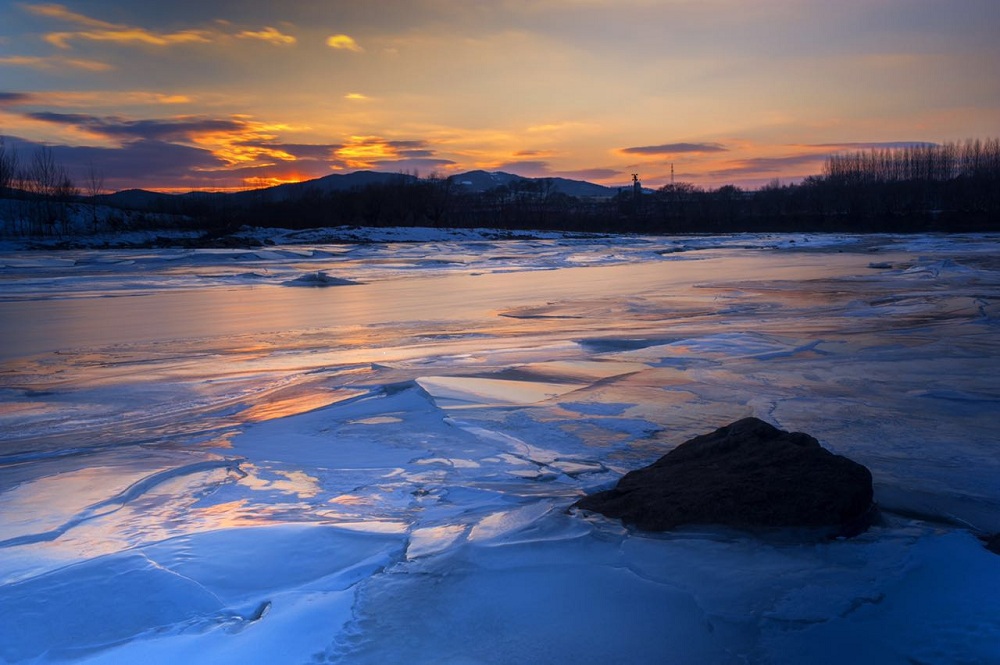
(43,172)
(9,168)
(39,181)
(50,189)
(94,187)
(66,191)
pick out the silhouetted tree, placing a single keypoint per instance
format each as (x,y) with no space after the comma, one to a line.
(95,187)
(9,173)
(8,167)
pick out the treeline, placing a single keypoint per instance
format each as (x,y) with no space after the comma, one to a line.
(37,193)
(921,163)
(953,187)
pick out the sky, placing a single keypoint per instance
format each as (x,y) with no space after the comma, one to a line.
(237,94)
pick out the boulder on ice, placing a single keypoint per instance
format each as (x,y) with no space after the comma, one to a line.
(747,474)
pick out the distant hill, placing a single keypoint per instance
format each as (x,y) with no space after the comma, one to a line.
(483,181)
(336,182)
(136,199)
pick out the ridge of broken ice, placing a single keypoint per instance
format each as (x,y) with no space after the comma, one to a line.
(319,278)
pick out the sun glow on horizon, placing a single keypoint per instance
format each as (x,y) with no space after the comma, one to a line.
(264,181)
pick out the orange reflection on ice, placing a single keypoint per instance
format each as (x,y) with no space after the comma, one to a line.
(299,483)
(224,440)
(223,509)
(351,500)
(230,515)
(296,404)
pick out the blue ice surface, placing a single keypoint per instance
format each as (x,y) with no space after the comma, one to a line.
(197,465)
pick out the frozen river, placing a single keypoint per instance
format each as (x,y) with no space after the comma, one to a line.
(364,453)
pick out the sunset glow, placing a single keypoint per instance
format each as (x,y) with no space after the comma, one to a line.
(201,96)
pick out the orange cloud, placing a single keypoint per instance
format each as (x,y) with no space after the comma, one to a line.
(672,149)
(126,35)
(356,97)
(343,42)
(104,31)
(247,146)
(555,127)
(362,151)
(164,99)
(65,14)
(117,98)
(55,62)
(269,35)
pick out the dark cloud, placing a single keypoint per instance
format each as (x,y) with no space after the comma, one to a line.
(63,118)
(161,130)
(675,148)
(14,98)
(172,129)
(404,145)
(161,164)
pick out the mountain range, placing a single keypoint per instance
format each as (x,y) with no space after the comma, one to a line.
(471,181)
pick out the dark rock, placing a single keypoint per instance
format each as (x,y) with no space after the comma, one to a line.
(993,543)
(745,475)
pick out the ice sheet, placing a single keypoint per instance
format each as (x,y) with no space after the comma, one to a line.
(198,464)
